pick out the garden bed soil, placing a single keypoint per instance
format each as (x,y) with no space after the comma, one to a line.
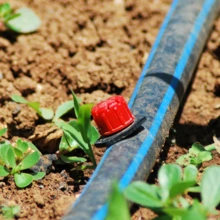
(96,48)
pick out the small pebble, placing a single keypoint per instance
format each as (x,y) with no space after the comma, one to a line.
(63,186)
(41,186)
(2,184)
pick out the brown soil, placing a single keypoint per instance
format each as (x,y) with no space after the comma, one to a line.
(96,48)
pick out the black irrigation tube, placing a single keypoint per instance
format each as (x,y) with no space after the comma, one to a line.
(157,95)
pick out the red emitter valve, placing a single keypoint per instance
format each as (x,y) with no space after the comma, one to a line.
(112,115)
(115,121)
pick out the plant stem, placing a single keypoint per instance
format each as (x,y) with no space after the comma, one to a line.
(92,157)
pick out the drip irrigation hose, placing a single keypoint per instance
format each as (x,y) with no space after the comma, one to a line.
(157,95)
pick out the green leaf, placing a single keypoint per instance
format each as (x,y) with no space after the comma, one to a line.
(93,134)
(38,176)
(195,189)
(76,104)
(3,171)
(7,155)
(143,194)
(183,160)
(64,108)
(196,148)
(46,113)
(196,211)
(210,147)
(85,167)
(183,202)
(189,180)
(33,147)
(205,156)
(168,176)
(19,99)
(27,22)
(29,161)
(34,105)
(21,145)
(9,212)
(72,159)
(210,187)
(74,124)
(10,16)
(190,173)
(23,179)
(195,160)
(174,212)
(118,207)
(75,134)
(3,131)
(67,143)
(2,152)
(84,121)
(64,146)
(180,188)
(18,153)
(5,9)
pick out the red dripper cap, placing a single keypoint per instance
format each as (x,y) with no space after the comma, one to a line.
(112,115)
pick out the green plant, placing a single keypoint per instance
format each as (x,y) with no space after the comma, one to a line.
(9,212)
(79,133)
(115,201)
(76,133)
(197,155)
(167,199)
(45,113)
(24,20)
(13,160)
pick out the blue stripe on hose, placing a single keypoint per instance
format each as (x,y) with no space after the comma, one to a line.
(152,53)
(168,96)
(154,48)
(139,157)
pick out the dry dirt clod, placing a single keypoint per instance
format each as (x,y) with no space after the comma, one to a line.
(38,199)
(46,138)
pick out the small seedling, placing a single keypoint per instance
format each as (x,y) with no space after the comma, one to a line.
(46,113)
(78,133)
(13,160)
(167,199)
(9,212)
(24,20)
(168,195)
(196,156)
